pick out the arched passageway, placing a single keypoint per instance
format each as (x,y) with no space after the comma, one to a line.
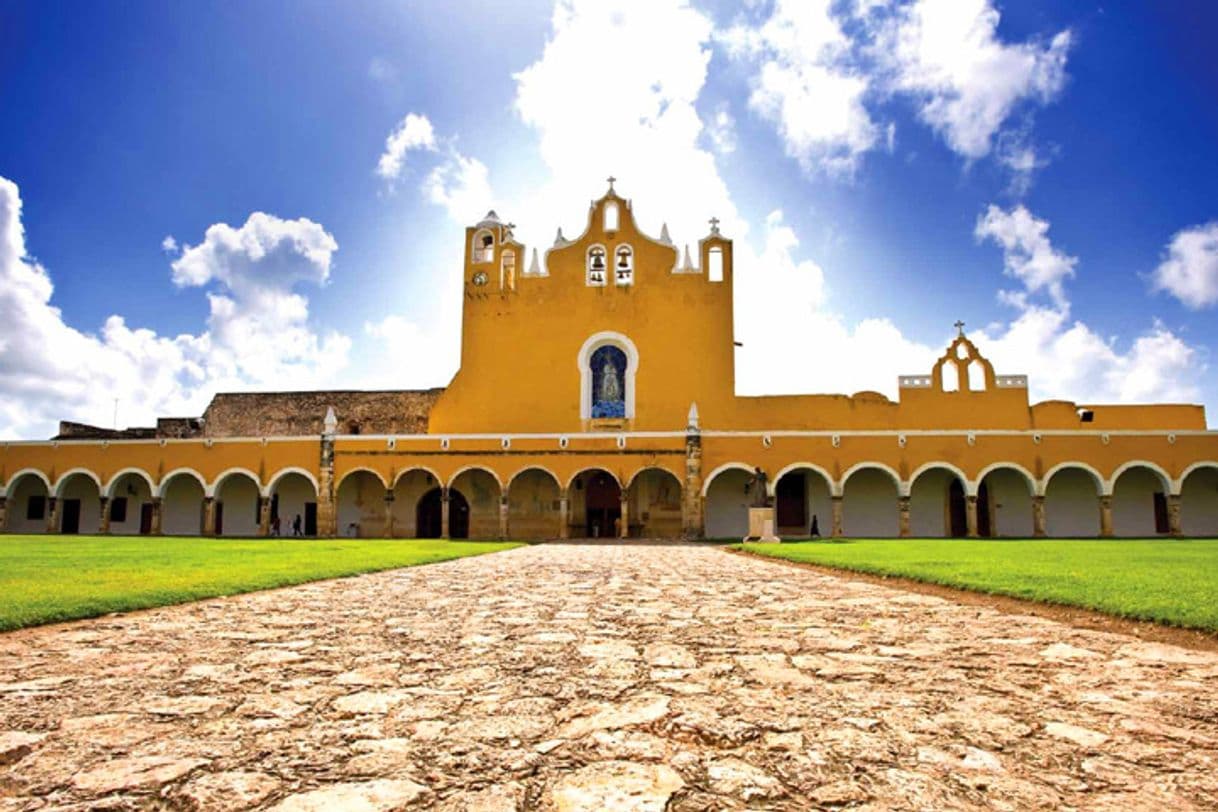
(1199,502)
(27,504)
(408,490)
(937,505)
(1139,503)
(237,508)
(654,505)
(429,515)
(1072,506)
(361,505)
(596,504)
(474,497)
(1004,504)
(130,506)
(78,504)
(534,505)
(802,502)
(727,504)
(869,504)
(293,509)
(182,496)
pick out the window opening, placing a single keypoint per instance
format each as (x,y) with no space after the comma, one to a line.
(715,265)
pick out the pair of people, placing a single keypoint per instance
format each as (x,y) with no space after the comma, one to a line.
(297,526)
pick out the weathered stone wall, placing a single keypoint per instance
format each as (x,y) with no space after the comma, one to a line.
(265,414)
(82,431)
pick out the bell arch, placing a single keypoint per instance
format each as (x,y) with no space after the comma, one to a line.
(139,472)
(409,487)
(237,502)
(360,504)
(78,502)
(595,499)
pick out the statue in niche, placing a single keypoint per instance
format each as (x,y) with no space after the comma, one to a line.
(608,382)
(610,389)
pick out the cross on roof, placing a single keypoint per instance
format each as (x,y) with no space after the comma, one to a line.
(959,325)
(714,224)
(612,180)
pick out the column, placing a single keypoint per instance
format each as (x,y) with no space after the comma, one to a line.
(3,514)
(156,516)
(970,515)
(105,516)
(624,522)
(1106,516)
(444,512)
(693,520)
(52,514)
(903,516)
(1173,514)
(264,515)
(837,516)
(389,513)
(1038,517)
(327,515)
(503,517)
(209,515)
(564,510)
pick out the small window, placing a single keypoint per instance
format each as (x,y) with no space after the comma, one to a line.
(484,246)
(714,270)
(507,271)
(353,427)
(36,508)
(596,266)
(612,217)
(118,509)
(1086,416)
(623,265)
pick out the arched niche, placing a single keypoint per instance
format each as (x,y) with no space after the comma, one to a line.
(654,504)
(534,505)
(592,372)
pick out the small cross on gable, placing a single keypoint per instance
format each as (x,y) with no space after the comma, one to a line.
(959,325)
(612,180)
(714,224)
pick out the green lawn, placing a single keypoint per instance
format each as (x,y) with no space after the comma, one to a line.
(48,579)
(1168,581)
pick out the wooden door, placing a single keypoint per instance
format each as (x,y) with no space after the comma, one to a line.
(310,519)
(791,498)
(145,518)
(70,509)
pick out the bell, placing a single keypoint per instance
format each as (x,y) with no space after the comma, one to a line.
(598,262)
(623,262)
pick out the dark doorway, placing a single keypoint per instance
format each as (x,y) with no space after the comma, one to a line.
(602,504)
(792,508)
(71,515)
(985,521)
(428,516)
(310,517)
(145,518)
(956,511)
(219,518)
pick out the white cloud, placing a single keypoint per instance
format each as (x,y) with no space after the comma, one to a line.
(947,54)
(1190,270)
(382,70)
(461,185)
(257,336)
(805,84)
(721,129)
(1027,253)
(414,132)
(169,245)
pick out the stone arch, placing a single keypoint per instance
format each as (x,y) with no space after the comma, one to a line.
(938,493)
(801,499)
(1100,482)
(423,468)
(140,472)
(409,487)
(78,502)
(360,505)
(970,487)
(595,499)
(237,502)
(1164,478)
(1004,493)
(293,495)
(869,501)
(1139,499)
(726,504)
(1072,508)
(1199,499)
(583,360)
(182,492)
(27,502)
(364,470)
(284,472)
(653,498)
(481,490)
(534,506)
(71,472)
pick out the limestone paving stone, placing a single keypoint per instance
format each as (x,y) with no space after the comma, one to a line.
(600,676)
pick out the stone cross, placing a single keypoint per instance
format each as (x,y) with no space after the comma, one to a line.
(959,325)
(612,180)
(714,224)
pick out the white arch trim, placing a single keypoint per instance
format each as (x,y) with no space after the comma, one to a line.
(407,471)
(970,487)
(630,480)
(1029,480)
(176,472)
(284,472)
(140,472)
(727,466)
(34,472)
(73,472)
(466,469)
(902,487)
(225,474)
(1178,485)
(360,470)
(594,343)
(577,474)
(1101,485)
(512,479)
(834,490)
(1164,478)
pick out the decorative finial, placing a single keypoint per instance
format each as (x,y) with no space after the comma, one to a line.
(959,325)
(559,239)
(714,224)
(664,238)
(612,180)
(692,422)
(535,266)
(687,265)
(330,426)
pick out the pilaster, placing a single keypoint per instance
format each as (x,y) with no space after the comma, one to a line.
(624,522)
(693,521)
(388,513)
(104,529)
(902,517)
(264,515)
(970,515)
(156,515)
(52,514)
(836,502)
(1106,516)
(1174,526)
(3,514)
(209,515)
(1038,517)
(503,517)
(444,513)
(564,509)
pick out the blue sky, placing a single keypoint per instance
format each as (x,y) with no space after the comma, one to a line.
(1044,171)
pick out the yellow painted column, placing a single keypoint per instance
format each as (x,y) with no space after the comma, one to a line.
(1038,517)
(902,517)
(970,515)
(105,515)
(837,516)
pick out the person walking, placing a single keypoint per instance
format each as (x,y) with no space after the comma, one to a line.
(296,526)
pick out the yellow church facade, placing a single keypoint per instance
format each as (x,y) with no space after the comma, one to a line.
(596,398)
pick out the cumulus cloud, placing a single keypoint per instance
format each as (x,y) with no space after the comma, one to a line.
(413,133)
(1190,270)
(50,370)
(1027,253)
(721,129)
(169,245)
(461,185)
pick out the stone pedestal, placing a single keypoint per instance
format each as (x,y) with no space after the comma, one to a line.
(761,525)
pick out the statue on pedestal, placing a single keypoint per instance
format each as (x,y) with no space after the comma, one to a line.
(757,487)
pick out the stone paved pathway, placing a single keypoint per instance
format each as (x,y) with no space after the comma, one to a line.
(600,677)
